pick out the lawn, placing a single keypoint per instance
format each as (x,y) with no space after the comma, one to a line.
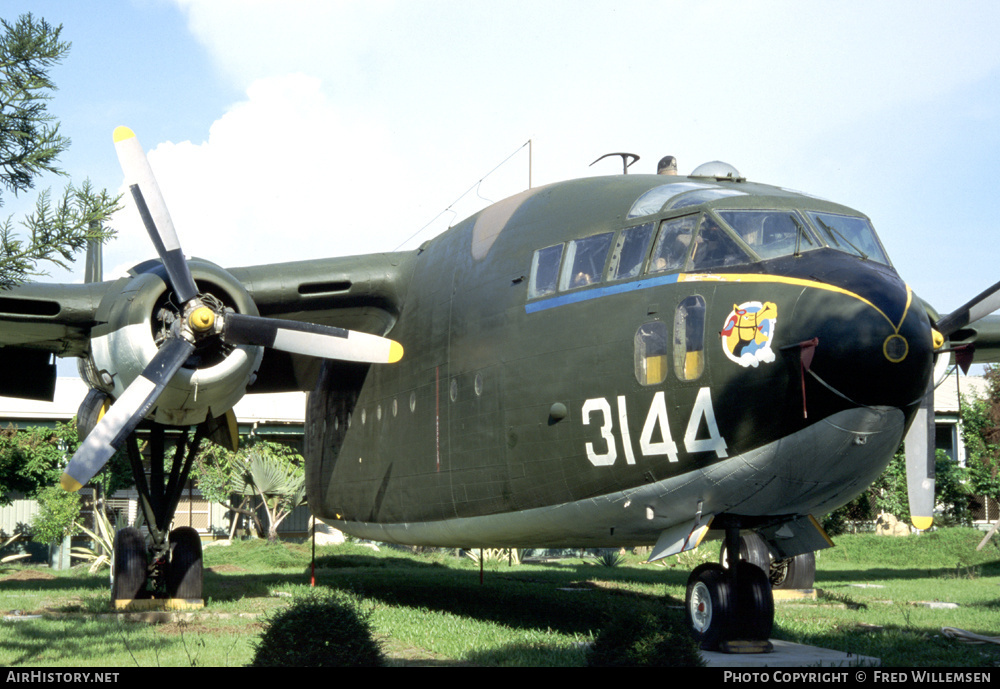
(880,596)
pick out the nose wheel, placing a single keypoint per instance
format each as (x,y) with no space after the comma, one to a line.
(730,609)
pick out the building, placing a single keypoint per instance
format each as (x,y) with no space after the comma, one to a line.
(278,417)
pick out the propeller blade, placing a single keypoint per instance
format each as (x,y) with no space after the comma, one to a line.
(982,305)
(153,210)
(920,463)
(306,338)
(125,414)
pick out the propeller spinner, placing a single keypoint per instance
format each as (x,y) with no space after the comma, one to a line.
(203,317)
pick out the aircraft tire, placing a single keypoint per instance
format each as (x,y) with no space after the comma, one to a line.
(184,573)
(129,580)
(755,603)
(710,606)
(797,572)
(753,549)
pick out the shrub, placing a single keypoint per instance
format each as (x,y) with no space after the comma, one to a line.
(56,519)
(645,639)
(319,630)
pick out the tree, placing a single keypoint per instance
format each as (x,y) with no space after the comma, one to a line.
(261,475)
(981,435)
(889,494)
(30,145)
(33,458)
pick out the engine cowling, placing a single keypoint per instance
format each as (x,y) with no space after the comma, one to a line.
(135,316)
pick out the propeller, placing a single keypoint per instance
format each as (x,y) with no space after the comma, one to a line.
(202,317)
(983,304)
(919,444)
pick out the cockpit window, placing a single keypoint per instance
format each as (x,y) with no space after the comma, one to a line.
(714,248)
(696,198)
(653,200)
(851,234)
(673,244)
(630,251)
(771,233)
(544,271)
(584,264)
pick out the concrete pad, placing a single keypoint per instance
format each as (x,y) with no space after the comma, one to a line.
(781,595)
(788,654)
(159,604)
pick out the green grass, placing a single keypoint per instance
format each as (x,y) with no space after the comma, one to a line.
(431,609)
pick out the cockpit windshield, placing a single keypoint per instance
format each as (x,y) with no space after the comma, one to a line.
(771,233)
(851,234)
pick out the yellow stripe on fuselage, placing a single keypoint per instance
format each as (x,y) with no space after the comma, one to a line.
(799,282)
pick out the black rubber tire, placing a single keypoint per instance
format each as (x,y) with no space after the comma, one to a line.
(184,572)
(754,604)
(753,549)
(709,606)
(129,580)
(797,572)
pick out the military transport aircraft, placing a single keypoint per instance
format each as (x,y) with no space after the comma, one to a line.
(604,362)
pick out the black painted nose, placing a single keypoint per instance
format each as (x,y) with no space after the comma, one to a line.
(875,344)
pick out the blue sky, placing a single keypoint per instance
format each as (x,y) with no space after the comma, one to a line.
(287,130)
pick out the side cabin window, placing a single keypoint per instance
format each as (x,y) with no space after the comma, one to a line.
(545,271)
(689,338)
(630,251)
(585,259)
(651,343)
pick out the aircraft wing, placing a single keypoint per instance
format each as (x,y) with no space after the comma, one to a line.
(984,336)
(361,293)
(38,321)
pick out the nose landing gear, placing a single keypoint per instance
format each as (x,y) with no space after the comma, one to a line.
(730,610)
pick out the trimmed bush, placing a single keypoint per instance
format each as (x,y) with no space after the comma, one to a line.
(645,639)
(319,630)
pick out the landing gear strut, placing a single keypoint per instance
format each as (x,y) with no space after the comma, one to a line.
(170,566)
(730,609)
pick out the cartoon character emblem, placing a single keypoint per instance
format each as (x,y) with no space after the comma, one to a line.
(749,330)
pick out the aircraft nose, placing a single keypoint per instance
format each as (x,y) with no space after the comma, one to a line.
(874,348)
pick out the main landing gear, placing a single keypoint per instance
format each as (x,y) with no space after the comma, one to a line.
(170,567)
(797,572)
(730,609)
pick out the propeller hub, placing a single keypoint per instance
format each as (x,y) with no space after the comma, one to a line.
(937,338)
(201,319)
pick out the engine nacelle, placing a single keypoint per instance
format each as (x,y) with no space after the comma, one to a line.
(138,310)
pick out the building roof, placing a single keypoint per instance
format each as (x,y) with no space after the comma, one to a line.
(946,395)
(273,408)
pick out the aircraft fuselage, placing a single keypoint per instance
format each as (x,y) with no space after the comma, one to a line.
(584,367)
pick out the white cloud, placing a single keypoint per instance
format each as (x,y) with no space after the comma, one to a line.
(282,176)
(407,104)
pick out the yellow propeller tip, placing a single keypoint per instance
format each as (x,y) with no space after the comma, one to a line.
(395,352)
(68,483)
(122,133)
(923,523)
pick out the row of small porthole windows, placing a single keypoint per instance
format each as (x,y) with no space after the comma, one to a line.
(452,394)
(653,345)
